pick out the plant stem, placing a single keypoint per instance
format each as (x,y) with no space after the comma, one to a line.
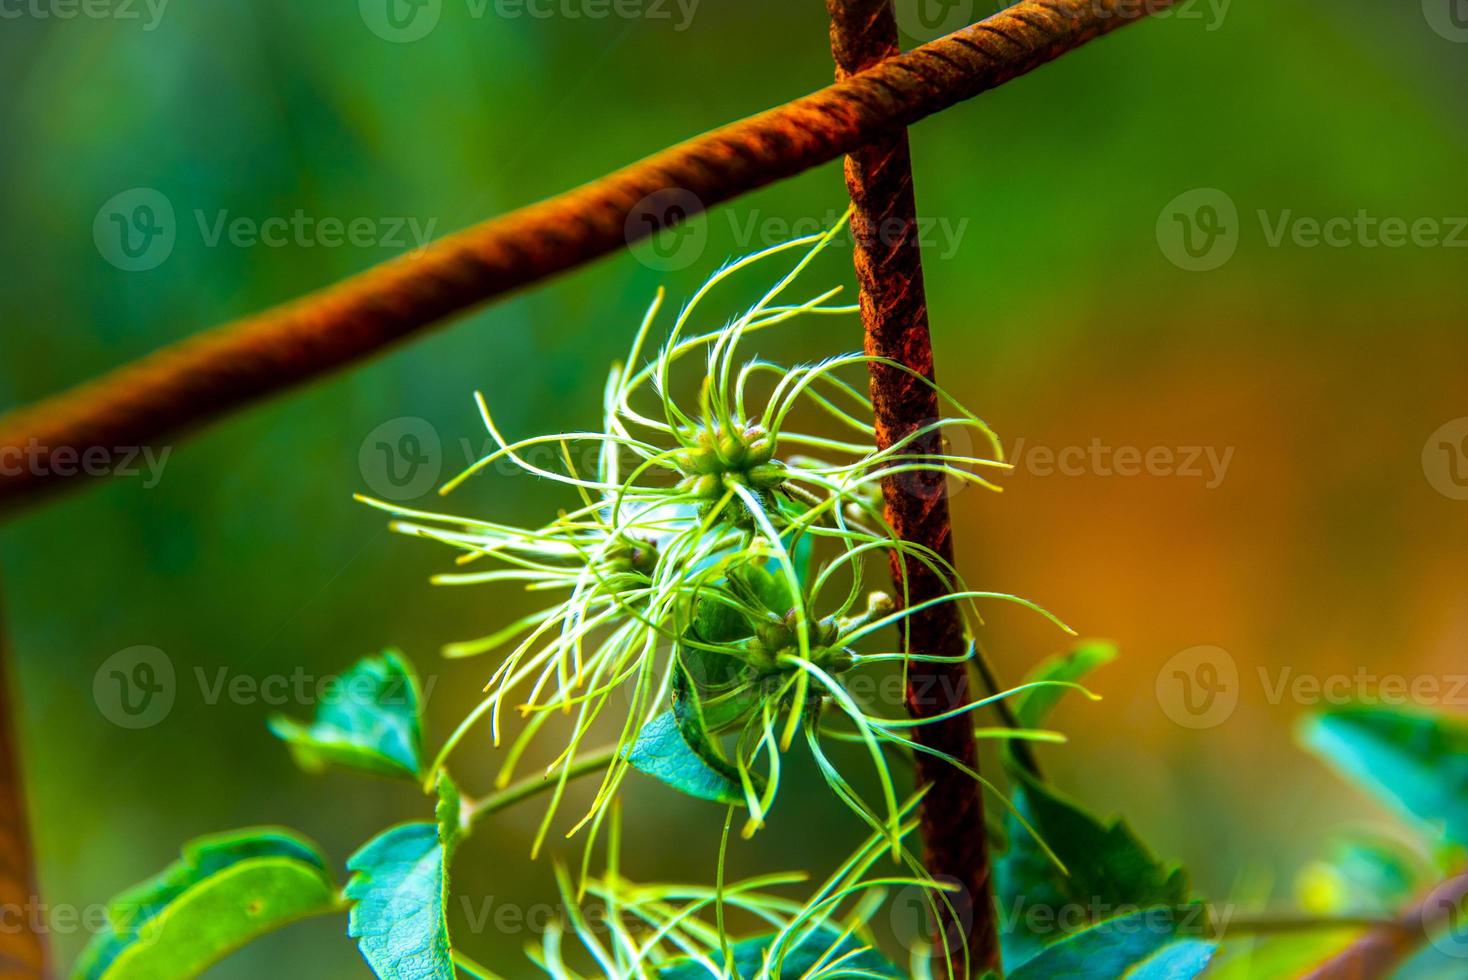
(531,786)
(1290,924)
(894,312)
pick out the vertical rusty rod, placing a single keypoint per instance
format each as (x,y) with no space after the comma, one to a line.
(22,918)
(894,312)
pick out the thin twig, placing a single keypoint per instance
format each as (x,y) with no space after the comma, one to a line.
(534,785)
(895,314)
(151,401)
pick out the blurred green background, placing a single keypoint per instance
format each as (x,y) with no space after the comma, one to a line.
(1331,543)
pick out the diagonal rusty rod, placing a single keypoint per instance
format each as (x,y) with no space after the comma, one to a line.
(224,369)
(23,952)
(889,269)
(1381,950)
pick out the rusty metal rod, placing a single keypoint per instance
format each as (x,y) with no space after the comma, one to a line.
(224,369)
(23,947)
(1381,950)
(894,311)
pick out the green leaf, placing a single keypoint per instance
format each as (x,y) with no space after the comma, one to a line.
(1151,944)
(664,751)
(226,890)
(400,888)
(1032,707)
(1417,763)
(765,585)
(370,722)
(721,690)
(718,622)
(749,957)
(1183,960)
(1106,868)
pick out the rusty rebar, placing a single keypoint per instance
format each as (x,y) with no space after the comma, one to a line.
(889,270)
(220,370)
(1381,950)
(23,952)
(894,314)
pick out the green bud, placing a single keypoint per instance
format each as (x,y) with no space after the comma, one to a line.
(767,476)
(879,604)
(840,661)
(732,451)
(826,632)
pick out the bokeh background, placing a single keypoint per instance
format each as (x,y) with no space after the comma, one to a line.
(1326,538)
